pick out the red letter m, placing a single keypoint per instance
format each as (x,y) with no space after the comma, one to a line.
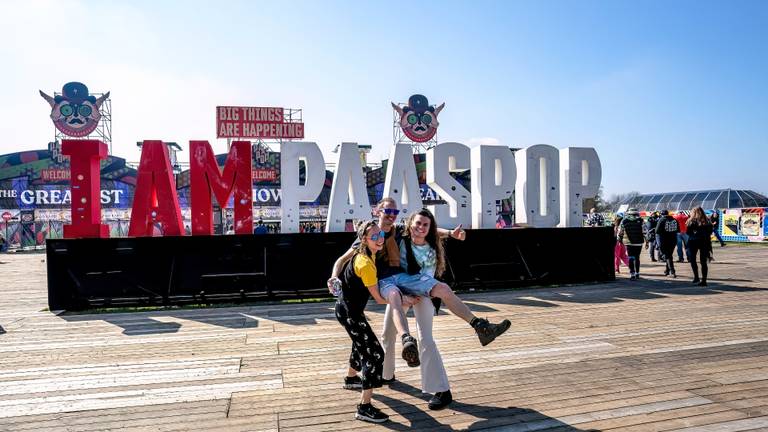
(206,180)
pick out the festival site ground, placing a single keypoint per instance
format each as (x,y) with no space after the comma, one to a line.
(653,355)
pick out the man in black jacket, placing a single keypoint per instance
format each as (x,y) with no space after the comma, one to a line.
(631,233)
(667,230)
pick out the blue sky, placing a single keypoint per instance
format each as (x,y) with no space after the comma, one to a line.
(673,95)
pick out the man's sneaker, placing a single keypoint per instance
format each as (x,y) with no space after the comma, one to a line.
(369,413)
(666,272)
(353,383)
(388,381)
(695,281)
(487,332)
(410,351)
(440,400)
(632,276)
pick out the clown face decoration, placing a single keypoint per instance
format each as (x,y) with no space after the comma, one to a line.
(75,112)
(418,119)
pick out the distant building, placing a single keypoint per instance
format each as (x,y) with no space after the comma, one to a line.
(717,199)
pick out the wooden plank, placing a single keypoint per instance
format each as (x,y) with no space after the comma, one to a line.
(656,354)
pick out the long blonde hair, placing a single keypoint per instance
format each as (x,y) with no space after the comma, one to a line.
(698,216)
(433,239)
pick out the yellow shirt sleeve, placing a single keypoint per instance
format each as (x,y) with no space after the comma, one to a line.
(365,269)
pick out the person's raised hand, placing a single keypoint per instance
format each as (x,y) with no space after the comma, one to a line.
(458,233)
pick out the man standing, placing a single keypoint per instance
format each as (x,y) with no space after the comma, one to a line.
(631,233)
(667,230)
(682,236)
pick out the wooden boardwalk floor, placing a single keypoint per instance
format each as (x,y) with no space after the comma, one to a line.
(653,355)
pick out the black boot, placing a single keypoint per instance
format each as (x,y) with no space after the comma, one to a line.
(410,351)
(487,332)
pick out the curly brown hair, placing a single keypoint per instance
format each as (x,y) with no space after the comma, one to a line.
(433,239)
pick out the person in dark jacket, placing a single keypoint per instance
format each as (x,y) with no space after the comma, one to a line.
(699,240)
(715,219)
(631,233)
(667,230)
(650,229)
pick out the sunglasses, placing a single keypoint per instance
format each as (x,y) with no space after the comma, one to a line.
(391,211)
(375,237)
(83,110)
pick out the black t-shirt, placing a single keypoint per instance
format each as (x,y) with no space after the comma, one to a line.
(354,293)
(382,258)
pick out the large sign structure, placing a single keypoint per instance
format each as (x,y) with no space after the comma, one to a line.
(544,176)
(75,112)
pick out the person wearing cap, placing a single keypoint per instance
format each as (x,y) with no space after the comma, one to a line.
(632,235)
(667,230)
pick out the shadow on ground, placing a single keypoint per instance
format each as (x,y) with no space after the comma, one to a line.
(509,418)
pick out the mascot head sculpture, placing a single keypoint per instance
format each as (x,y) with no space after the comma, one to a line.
(418,119)
(75,112)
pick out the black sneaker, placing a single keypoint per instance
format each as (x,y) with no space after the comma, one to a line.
(702,283)
(369,413)
(487,332)
(695,281)
(410,351)
(353,383)
(440,400)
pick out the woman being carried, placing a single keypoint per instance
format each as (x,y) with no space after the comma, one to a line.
(423,257)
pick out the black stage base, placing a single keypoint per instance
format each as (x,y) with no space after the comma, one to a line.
(145,271)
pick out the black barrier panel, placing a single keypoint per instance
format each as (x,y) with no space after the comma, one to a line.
(85,273)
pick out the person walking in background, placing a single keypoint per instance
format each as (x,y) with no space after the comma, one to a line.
(619,250)
(631,234)
(699,240)
(650,230)
(595,219)
(667,230)
(715,219)
(682,236)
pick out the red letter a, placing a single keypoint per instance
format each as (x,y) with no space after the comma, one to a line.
(155,202)
(206,178)
(85,181)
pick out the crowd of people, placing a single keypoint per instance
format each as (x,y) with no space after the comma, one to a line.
(398,265)
(661,234)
